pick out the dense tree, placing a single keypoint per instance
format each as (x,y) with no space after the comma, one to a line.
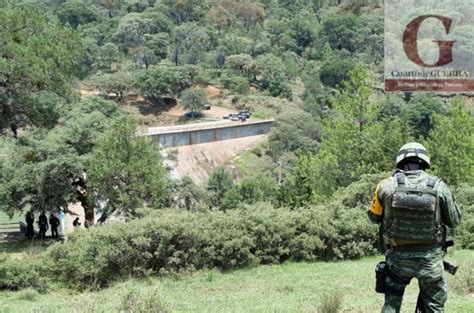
(127,170)
(254,189)
(335,70)
(38,173)
(112,6)
(296,131)
(220,181)
(302,31)
(36,55)
(184,193)
(250,14)
(354,141)
(276,30)
(451,144)
(250,190)
(196,43)
(134,27)
(218,16)
(372,31)
(241,64)
(143,56)
(418,114)
(193,99)
(182,10)
(298,189)
(108,55)
(220,58)
(272,75)
(237,84)
(137,5)
(76,12)
(162,82)
(158,44)
(342,32)
(46,169)
(117,83)
(91,53)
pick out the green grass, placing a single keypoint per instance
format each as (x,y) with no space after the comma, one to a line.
(23,248)
(6,219)
(251,164)
(290,287)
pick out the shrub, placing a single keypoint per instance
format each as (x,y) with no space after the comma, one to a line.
(28,295)
(138,301)
(331,302)
(237,84)
(464,234)
(464,279)
(21,275)
(174,241)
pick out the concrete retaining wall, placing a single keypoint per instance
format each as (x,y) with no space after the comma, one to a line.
(207,132)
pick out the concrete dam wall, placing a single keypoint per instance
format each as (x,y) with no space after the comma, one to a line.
(182,135)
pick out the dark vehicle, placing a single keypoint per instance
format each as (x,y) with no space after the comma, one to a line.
(245,113)
(192,114)
(241,116)
(230,116)
(207,107)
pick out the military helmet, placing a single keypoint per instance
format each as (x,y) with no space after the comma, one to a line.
(413,149)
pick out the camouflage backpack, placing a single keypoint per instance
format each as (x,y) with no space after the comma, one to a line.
(413,214)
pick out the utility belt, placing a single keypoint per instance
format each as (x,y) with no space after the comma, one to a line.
(414,247)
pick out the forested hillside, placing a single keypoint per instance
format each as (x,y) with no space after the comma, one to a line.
(314,65)
(255,52)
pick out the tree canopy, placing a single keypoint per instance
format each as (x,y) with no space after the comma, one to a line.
(46,169)
(127,170)
(38,57)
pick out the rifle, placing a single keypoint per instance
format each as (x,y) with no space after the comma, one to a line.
(449,267)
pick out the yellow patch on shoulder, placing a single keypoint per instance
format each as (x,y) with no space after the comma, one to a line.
(376,207)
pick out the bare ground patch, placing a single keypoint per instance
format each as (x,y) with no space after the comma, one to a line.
(198,161)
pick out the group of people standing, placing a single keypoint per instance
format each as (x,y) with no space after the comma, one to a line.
(43,225)
(54,223)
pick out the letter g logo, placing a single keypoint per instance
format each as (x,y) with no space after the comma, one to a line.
(410,37)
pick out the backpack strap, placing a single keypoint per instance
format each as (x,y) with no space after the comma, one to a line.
(431,182)
(400,179)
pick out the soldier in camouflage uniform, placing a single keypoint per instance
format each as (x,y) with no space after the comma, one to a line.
(414,209)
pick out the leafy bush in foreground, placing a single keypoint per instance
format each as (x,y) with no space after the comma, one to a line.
(464,234)
(15,275)
(173,241)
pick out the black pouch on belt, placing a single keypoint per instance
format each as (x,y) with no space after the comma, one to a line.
(380,277)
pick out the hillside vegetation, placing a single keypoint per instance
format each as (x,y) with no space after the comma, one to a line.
(302,195)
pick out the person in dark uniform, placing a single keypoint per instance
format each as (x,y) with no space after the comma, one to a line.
(54,223)
(76,222)
(30,229)
(43,225)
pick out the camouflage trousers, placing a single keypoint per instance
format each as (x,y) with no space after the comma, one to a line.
(427,268)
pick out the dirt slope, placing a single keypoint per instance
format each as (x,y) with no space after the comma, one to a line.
(198,161)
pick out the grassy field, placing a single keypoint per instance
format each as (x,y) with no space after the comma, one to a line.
(290,287)
(6,219)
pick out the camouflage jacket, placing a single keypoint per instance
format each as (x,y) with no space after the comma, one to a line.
(450,213)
